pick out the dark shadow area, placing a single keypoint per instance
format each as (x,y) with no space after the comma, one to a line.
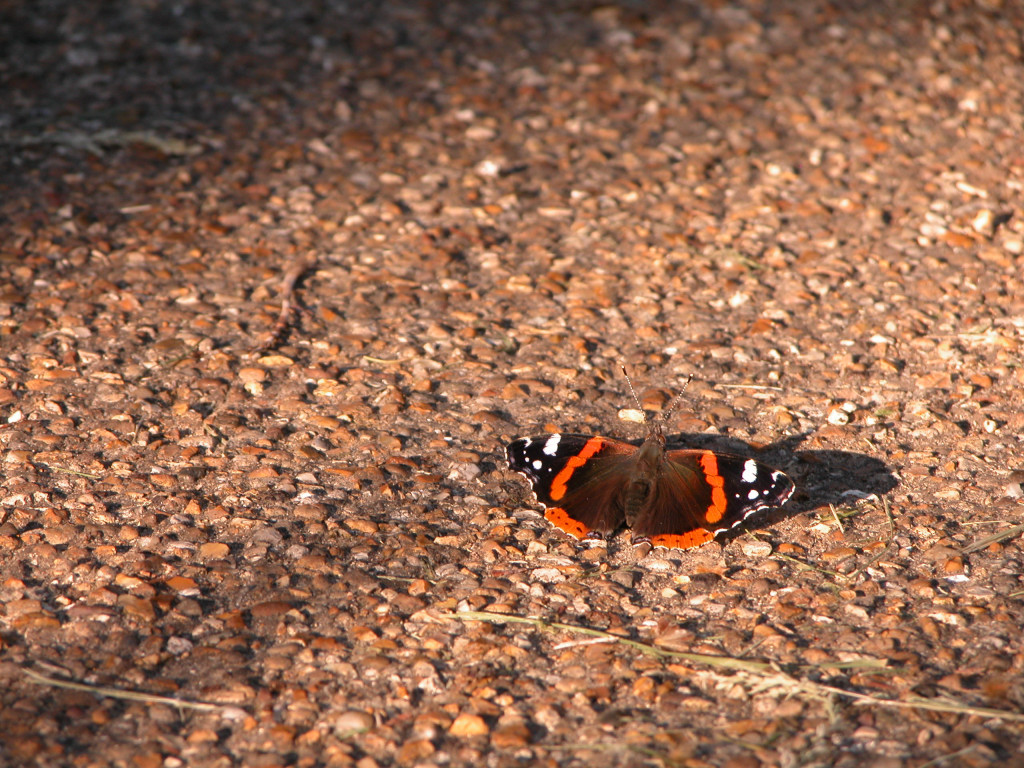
(83,79)
(112,110)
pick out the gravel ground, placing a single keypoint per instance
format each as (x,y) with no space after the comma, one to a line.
(279,281)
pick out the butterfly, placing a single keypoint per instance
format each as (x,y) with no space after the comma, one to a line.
(590,486)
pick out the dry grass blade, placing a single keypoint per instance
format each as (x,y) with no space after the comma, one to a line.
(835,516)
(75,472)
(764,676)
(808,566)
(992,538)
(386,361)
(920,702)
(951,756)
(118,693)
(888,517)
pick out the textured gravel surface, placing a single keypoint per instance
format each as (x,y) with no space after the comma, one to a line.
(278,282)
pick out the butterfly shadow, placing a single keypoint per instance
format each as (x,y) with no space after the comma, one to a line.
(822,478)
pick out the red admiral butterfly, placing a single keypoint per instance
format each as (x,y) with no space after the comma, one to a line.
(679,499)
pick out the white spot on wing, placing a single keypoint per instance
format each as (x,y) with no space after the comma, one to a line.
(551,446)
(749,471)
(538,464)
(753,494)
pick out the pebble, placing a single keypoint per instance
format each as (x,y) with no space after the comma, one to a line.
(468,725)
(351,723)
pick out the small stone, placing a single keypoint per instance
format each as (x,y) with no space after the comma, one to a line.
(269,609)
(548,575)
(362,526)
(983,222)
(838,417)
(148,760)
(181,584)
(511,736)
(414,751)
(954,565)
(756,548)
(252,375)
(352,723)
(137,607)
(837,554)
(467,725)
(214,550)
(276,361)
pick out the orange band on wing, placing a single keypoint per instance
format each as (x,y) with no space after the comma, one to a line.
(709,463)
(559,518)
(558,485)
(686,540)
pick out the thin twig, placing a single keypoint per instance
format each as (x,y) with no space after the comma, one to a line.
(108,137)
(992,538)
(386,361)
(808,566)
(118,693)
(578,643)
(75,472)
(943,758)
(870,562)
(835,515)
(288,304)
(920,702)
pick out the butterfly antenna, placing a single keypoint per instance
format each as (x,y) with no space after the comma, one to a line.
(675,400)
(632,391)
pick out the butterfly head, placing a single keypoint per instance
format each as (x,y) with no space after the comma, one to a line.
(655,426)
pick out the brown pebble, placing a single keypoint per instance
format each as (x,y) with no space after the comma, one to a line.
(214,550)
(837,554)
(352,722)
(270,608)
(311,512)
(468,725)
(954,565)
(415,750)
(362,526)
(163,481)
(180,583)
(510,736)
(138,607)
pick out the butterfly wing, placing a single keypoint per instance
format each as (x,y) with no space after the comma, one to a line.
(700,494)
(578,478)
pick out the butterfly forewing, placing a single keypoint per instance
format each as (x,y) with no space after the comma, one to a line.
(578,477)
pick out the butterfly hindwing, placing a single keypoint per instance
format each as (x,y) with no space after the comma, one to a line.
(700,494)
